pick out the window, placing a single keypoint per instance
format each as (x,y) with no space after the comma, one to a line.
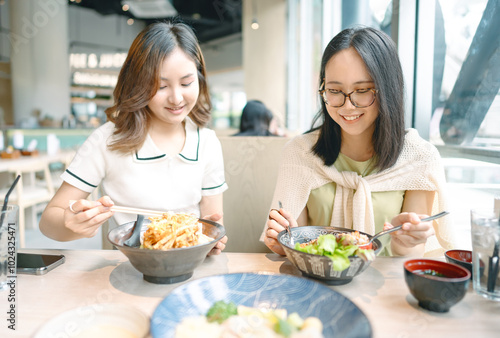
(450,54)
(227,107)
(311,26)
(456,105)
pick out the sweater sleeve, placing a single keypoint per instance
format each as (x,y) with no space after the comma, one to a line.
(296,177)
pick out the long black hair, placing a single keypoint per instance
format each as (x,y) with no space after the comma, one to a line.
(379,54)
(255,119)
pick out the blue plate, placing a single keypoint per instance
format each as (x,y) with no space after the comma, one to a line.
(340,316)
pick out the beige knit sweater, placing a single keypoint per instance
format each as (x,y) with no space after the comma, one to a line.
(418,167)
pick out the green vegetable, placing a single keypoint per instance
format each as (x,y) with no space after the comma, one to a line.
(295,320)
(340,262)
(327,245)
(221,311)
(283,327)
(430,272)
(366,254)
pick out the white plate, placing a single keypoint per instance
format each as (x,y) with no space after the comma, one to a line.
(97,320)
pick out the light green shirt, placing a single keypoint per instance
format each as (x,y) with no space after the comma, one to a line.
(386,204)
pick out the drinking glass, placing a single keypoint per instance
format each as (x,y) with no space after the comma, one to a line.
(485,228)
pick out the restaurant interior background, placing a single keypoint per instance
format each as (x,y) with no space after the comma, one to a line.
(59,61)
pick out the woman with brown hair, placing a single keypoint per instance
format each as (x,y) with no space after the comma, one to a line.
(154,152)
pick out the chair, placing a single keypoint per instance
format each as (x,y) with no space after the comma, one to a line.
(30,192)
(57,165)
(251,167)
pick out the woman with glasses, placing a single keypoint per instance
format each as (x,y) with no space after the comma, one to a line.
(360,168)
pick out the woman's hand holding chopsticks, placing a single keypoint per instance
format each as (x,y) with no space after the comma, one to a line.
(84,217)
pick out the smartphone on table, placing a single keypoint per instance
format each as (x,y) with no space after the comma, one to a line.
(37,264)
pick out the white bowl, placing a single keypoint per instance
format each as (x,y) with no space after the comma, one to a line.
(98,320)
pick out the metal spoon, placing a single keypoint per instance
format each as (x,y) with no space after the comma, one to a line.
(292,242)
(135,238)
(385,232)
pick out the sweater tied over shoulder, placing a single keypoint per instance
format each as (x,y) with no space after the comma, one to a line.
(419,167)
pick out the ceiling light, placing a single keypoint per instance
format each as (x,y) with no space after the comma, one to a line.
(148,9)
(125,7)
(130,22)
(255,24)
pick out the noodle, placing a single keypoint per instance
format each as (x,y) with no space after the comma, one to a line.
(172,231)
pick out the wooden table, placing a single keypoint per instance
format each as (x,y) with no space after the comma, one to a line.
(101,276)
(14,164)
(31,191)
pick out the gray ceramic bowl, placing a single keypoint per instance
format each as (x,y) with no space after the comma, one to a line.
(320,267)
(169,266)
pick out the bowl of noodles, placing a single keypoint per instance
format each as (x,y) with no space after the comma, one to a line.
(172,246)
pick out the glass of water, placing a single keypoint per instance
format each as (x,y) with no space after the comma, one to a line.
(485,233)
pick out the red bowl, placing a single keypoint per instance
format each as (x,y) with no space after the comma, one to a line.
(438,291)
(460,257)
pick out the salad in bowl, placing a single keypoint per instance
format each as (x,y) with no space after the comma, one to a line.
(330,254)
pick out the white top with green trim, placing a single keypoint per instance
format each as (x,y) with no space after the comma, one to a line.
(150,179)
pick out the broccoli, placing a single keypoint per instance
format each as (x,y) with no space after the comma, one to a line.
(221,311)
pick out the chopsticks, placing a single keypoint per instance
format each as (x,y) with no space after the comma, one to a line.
(135,211)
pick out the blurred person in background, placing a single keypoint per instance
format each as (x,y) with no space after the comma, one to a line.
(255,120)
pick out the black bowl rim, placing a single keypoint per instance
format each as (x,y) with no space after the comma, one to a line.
(438,278)
(138,249)
(457,260)
(318,227)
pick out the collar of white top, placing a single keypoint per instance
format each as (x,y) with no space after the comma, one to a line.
(149,152)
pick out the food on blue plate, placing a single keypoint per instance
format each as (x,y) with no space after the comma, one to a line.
(171,231)
(339,248)
(228,320)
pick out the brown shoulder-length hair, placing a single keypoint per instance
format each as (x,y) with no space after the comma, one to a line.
(139,81)
(380,56)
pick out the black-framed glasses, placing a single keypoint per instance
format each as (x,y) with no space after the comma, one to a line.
(360,98)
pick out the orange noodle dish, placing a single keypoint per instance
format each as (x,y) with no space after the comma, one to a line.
(173,231)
